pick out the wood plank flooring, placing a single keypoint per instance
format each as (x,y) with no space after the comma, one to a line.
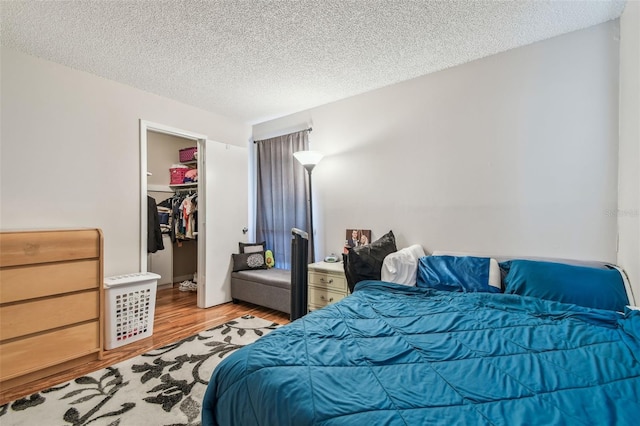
(176,317)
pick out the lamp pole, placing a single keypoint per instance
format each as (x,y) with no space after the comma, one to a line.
(309,168)
(309,159)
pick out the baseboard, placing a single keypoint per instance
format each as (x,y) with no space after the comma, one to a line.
(181,278)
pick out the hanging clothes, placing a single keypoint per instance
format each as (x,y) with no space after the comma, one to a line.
(154,233)
(164,215)
(189,211)
(184,216)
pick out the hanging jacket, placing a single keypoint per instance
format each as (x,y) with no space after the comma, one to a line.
(154,233)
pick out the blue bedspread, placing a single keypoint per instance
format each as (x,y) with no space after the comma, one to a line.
(397,355)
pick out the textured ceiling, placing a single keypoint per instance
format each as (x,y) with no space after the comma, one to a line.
(257,60)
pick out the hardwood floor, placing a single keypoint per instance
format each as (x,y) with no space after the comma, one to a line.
(176,317)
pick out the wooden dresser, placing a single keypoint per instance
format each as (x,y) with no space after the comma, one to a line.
(51,302)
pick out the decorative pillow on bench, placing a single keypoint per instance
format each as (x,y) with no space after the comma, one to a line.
(247,261)
(251,247)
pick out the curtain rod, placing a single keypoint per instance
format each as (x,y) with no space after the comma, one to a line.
(305,130)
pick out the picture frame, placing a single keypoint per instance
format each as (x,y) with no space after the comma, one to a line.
(356,237)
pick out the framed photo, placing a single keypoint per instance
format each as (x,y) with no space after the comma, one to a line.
(356,238)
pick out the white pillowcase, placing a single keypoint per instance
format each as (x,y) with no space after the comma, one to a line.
(401,267)
(495,277)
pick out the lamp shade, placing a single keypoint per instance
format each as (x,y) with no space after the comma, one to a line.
(308,158)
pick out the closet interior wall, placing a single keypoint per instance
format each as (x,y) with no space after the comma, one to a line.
(178,261)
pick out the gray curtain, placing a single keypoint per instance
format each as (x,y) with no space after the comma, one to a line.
(281,193)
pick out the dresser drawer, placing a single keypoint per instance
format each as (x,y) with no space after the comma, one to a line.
(30,282)
(27,248)
(43,350)
(21,319)
(330,281)
(323,297)
(51,295)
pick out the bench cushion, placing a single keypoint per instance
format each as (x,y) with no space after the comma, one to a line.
(273,277)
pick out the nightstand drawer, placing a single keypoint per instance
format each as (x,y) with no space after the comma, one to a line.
(326,284)
(329,281)
(323,297)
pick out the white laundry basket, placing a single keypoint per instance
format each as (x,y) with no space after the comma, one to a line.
(131,305)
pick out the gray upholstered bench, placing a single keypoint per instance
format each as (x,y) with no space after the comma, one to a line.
(265,287)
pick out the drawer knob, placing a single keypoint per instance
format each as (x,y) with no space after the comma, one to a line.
(324,298)
(329,281)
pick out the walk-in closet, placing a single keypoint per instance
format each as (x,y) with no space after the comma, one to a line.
(172,188)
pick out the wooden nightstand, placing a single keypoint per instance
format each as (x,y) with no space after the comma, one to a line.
(327,284)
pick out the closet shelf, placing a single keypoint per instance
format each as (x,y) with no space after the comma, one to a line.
(185,185)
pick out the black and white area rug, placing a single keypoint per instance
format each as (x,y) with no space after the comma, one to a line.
(161,387)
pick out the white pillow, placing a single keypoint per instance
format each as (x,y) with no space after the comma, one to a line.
(495,277)
(401,267)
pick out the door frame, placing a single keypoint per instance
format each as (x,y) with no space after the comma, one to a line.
(146,126)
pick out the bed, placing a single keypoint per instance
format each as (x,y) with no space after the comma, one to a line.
(397,354)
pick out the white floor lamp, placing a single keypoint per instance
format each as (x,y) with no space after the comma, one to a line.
(309,159)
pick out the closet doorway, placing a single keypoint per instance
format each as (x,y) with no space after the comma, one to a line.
(176,258)
(222,190)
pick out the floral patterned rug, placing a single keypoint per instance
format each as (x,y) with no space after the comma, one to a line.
(161,387)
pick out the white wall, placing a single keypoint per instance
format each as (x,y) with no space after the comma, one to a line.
(629,187)
(70,151)
(512,154)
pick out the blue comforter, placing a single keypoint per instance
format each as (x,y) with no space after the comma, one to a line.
(397,355)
